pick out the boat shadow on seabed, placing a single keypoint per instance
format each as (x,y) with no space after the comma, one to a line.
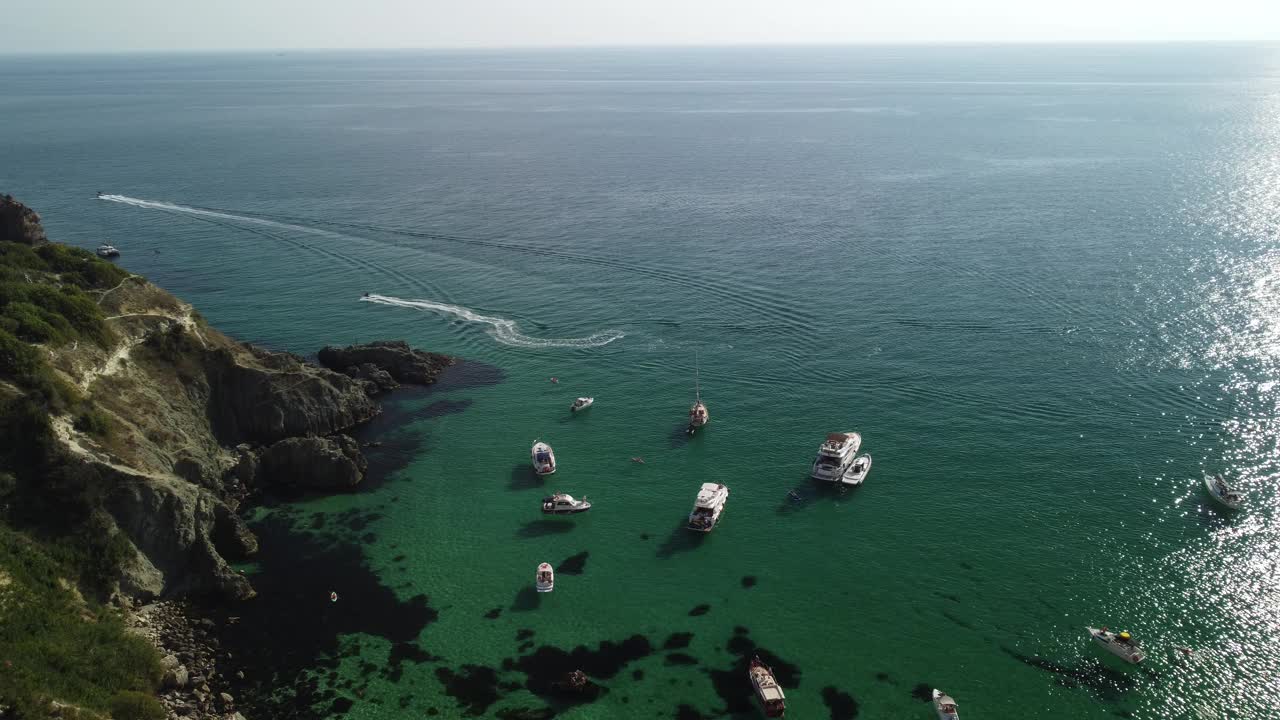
(682,539)
(802,496)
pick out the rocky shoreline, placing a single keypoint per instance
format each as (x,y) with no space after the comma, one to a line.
(201,679)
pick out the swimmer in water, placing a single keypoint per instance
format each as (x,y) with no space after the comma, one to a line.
(637,460)
(555,380)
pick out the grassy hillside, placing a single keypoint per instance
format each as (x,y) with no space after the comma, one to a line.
(58,554)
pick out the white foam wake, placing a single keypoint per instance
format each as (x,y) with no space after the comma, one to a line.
(172,207)
(501,329)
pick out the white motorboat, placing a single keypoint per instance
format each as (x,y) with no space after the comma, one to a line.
(544,460)
(945,706)
(857,471)
(698,415)
(108,251)
(564,504)
(1120,644)
(581,403)
(708,507)
(767,689)
(835,456)
(545,580)
(1220,491)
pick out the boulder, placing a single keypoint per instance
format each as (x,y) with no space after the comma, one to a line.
(375,379)
(334,463)
(395,357)
(175,678)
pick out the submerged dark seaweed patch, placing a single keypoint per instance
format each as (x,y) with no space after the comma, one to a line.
(687,712)
(922,691)
(524,634)
(677,641)
(543,713)
(547,667)
(541,528)
(734,686)
(341,705)
(679,658)
(883,677)
(493,614)
(637,674)
(841,704)
(574,564)
(748,581)
(475,687)
(702,609)
(297,573)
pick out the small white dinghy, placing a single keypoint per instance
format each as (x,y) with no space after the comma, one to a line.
(945,706)
(108,251)
(857,472)
(1120,644)
(1220,491)
(581,403)
(545,580)
(564,504)
(544,460)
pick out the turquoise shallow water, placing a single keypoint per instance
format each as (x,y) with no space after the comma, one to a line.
(1041,282)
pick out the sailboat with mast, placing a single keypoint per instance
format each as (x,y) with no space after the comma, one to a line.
(698,415)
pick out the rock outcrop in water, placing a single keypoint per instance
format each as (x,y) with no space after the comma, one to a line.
(318,463)
(19,223)
(377,362)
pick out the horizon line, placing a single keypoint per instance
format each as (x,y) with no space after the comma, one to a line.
(640,46)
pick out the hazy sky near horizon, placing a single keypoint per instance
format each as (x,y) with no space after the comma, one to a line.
(101,25)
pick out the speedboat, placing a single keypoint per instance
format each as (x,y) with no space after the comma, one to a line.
(544,460)
(835,456)
(1221,492)
(708,506)
(767,688)
(108,251)
(1120,644)
(857,472)
(564,504)
(581,403)
(545,580)
(945,706)
(698,415)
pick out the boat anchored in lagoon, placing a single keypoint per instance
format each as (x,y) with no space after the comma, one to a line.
(564,504)
(857,471)
(544,460)
(835,456)
(698,415)
(1223,493)
(108,251)
(772,699)
(1120,644)
(945,706)
(545,579)
(581,403)
(708,507)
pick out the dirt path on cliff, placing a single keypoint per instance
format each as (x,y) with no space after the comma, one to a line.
(113,361)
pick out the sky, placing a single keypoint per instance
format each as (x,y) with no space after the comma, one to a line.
(131,25)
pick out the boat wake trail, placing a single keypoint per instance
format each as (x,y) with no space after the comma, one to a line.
(501,329)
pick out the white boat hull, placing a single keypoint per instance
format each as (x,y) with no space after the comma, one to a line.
(583,405)
(945,706)
(1222,500)
(856,474)
(544,581)
(540,466)
(1129,652)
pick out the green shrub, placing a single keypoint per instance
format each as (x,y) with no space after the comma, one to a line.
(37,324)
(60,647)
(94,422)
(18,360)
(129,705)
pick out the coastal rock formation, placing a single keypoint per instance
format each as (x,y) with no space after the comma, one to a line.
(249,401)
(395,357)
(322,463)
(19,223)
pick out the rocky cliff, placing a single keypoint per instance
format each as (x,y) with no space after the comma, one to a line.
(165,426)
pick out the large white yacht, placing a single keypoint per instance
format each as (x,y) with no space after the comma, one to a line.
(835,456)
(708,506)
(1120,644)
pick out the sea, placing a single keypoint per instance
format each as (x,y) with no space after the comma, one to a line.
(1043,283)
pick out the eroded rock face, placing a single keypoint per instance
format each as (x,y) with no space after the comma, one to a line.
(331,463)
(19,223)
(286,398)
(180,531)
(395,357)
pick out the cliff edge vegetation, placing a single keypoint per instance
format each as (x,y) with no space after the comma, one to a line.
(133,432)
